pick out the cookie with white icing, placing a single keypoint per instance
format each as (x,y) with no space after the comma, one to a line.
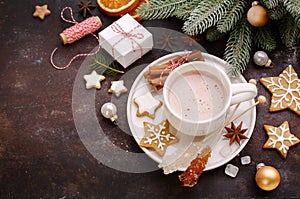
(147,105)
(285,90)
(280,138)
(93,80)
(117,88)
(157,137)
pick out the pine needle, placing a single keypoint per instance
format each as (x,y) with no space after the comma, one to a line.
(159,9)
(212,34)
(234,12)
(265,39)
(270,4)
(237,51)
(205,15)
(277,12)
(102,66)
(288,31)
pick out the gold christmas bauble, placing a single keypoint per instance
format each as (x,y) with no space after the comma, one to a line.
(257,16)
(267,178)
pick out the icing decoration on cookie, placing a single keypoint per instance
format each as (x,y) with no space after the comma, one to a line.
(285,90)
(147,105)
(157,137)
(41,11)
(93,80)
(117,87)
(280,138)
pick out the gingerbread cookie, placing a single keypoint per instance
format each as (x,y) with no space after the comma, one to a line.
(157,137)
(117,87)
(93,80)
(280,138)
(285,90)
(41,11)
(147,105)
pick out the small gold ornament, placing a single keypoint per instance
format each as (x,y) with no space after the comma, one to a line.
(267,177)
(257,15)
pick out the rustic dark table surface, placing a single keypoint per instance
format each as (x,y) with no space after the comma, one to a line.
(42,155)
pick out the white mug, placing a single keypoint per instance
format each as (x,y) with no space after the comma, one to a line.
(198,95)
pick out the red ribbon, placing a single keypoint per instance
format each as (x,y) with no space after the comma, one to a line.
(132,37)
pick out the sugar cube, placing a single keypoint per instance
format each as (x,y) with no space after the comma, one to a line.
(231,170)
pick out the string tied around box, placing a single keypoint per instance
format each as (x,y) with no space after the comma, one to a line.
(76,32)
(132,37)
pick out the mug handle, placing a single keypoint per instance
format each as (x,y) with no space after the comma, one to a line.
(242,92)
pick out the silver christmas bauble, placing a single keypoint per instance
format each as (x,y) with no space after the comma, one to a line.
(109,110)
(261,58)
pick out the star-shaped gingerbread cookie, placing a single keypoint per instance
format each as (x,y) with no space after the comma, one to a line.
(280,138)
(117,87)
(147,105)
(41,11)
(285,90)
(158,137)
(93,80)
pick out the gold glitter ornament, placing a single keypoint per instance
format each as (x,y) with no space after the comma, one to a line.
(267,177)
(257,15)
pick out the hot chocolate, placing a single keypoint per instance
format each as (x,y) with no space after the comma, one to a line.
(197,95)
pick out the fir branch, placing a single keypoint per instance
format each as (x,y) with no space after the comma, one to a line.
(238,47)
(264,38)
(297,21)
(270,4)
(277,12)
(102,66)
(288,31)
(205,15)
(159,9)
(234,12)
(183,11)
(292,6)
(212,34)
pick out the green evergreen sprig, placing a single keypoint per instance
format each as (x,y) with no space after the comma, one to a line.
(212,34)
(234,12)
(238,47)
(265,39)
(277,12)
(220,17)
(103,66)
(270,4)
(289,32)
(160,9)
(205,15)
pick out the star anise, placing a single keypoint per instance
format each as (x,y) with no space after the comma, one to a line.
(85,7)
(235,133)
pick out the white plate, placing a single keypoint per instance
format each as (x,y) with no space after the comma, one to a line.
(222,152)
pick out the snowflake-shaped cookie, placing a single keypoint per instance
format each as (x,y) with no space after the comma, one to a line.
(147,105)
(93,80)
(285,90)
(280,138)
(158,137)
(117,87)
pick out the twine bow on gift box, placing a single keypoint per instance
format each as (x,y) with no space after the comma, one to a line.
(132,37)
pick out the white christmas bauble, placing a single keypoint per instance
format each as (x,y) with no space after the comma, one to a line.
(109,110)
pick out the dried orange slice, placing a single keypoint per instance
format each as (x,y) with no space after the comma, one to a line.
(117,7)
(134,14)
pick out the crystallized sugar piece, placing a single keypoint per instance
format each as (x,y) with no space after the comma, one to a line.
(231,170)
(245,160)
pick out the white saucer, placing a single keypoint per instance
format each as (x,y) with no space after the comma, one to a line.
(222,152)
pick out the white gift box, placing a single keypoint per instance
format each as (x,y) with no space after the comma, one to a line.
(126,40)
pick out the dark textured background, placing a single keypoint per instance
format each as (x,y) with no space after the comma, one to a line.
(41,154)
